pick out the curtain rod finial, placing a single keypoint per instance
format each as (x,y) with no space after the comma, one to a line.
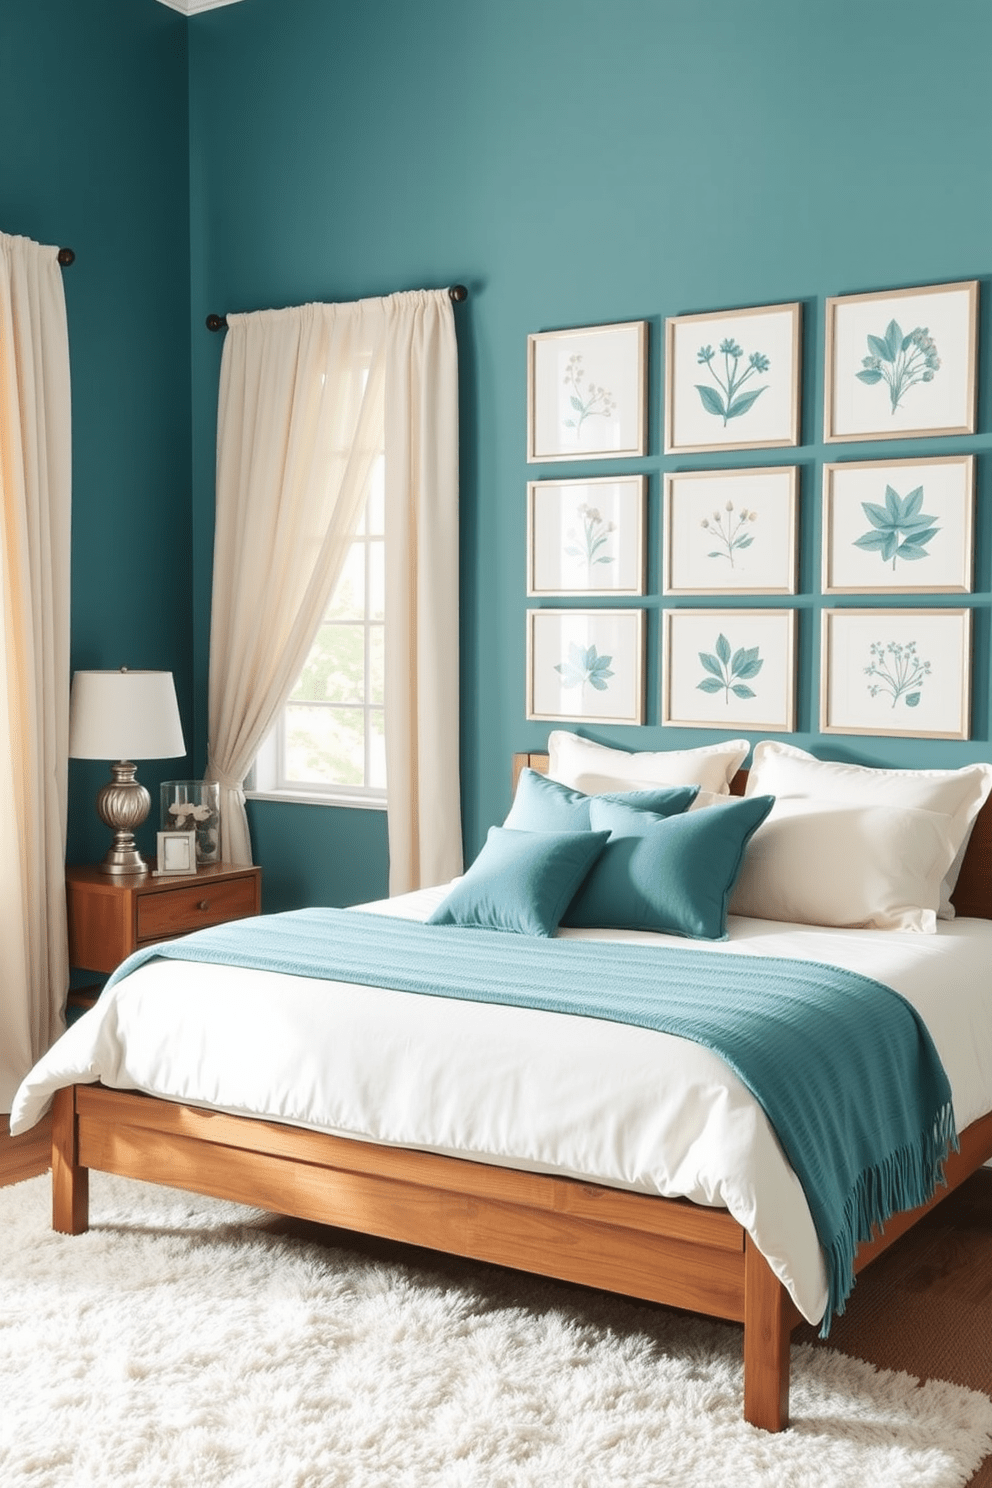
(66,256)
(216,323)
(458,292)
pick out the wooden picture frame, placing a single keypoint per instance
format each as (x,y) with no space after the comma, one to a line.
(899,526)
(176,853)
(586,537)
(732,379)
(730,531)
(711,664)
(585,666)
(587,393)
(901,362)
(900,673)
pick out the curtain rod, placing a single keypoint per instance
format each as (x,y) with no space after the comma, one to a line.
(66,256)
(457,292)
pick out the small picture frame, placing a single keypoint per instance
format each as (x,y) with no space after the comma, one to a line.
(587,393)
(730,531)
(901,362)
(176,853)
(729,669)
(904,673)
(586,536)
(732,379)
(899,526)
(585,666)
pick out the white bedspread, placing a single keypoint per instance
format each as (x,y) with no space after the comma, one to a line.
(526,1089)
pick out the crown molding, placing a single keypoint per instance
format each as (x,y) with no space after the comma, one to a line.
(193,7)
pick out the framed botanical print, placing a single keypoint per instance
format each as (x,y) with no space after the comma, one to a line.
(900,672)
(901,362)
(899,526)
(730,531)
(729,669)
(585,666)
(587,392)
(732,379)
(586,536)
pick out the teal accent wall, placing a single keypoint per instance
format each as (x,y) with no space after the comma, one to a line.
(572,163)
(576,163)
(94,124)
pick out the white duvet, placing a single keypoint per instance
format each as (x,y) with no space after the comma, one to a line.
(526,1089)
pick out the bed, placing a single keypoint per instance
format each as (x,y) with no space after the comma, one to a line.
(689,1253)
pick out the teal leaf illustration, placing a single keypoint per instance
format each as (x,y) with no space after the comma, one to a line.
(893,337)
(900,361)
(912,700)
(879,348)
(712,401)
(743,403)
(899,529)
(870,377)
(729,669)
(585,666)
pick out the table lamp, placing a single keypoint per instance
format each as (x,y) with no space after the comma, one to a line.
(124,716)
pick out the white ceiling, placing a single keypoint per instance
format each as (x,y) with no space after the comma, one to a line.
(192,7)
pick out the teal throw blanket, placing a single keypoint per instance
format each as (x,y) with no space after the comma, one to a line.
(843,1066)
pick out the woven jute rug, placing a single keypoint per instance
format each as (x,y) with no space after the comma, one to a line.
(187,1343)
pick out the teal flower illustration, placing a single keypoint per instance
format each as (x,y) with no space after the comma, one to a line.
(899,529)
(729,672)
(588,545)
(899,361)
(585,665)
(730,402)
(898,671)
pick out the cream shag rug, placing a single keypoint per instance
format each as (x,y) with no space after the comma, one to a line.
(186,1343)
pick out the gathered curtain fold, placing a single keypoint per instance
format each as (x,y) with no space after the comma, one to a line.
(36,483)
(308,397)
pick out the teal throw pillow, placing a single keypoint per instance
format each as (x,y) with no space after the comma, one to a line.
(673,874)
(521,881)
(543,805)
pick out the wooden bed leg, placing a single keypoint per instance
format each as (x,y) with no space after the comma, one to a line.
(70,1182)
(769,1316)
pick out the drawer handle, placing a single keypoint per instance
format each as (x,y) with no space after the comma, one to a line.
(203,904)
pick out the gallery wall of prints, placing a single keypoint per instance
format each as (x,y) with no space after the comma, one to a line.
(885,627)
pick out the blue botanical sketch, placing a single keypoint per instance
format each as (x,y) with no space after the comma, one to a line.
(729,672)
(899,361)
(899,529)
(595,402)
(729,531)
(588,545)
(584,665)
(897,671)
(730,402)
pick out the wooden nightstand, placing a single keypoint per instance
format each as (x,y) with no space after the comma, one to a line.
(111,917)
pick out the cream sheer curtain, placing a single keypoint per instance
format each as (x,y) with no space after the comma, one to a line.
(421,661)
(35,481)
(308,397)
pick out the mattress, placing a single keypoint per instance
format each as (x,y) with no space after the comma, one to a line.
(518,1087)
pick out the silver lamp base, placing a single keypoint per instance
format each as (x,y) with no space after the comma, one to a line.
(123,804)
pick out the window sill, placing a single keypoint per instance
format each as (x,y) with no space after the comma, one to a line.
(356,800)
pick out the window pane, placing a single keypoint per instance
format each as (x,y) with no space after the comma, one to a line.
(377,580)
(325,745)
(377,638)
(335,669)
(377,749)
(348,599)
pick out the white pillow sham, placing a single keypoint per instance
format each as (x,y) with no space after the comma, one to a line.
(783,770)
(858,867)
(595,768)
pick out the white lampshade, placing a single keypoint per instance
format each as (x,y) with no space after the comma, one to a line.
(124,716)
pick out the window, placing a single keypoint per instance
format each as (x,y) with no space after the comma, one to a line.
(329,743)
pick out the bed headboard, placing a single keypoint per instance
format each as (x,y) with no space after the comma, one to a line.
(971,897)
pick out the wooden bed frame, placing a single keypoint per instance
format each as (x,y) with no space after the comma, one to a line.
(662,1250)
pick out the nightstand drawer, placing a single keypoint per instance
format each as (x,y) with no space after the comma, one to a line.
(179,910)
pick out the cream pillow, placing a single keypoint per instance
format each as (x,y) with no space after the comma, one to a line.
(783,770)
(595,768)
(861,867)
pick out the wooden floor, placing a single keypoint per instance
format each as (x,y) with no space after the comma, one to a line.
(26,1156)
